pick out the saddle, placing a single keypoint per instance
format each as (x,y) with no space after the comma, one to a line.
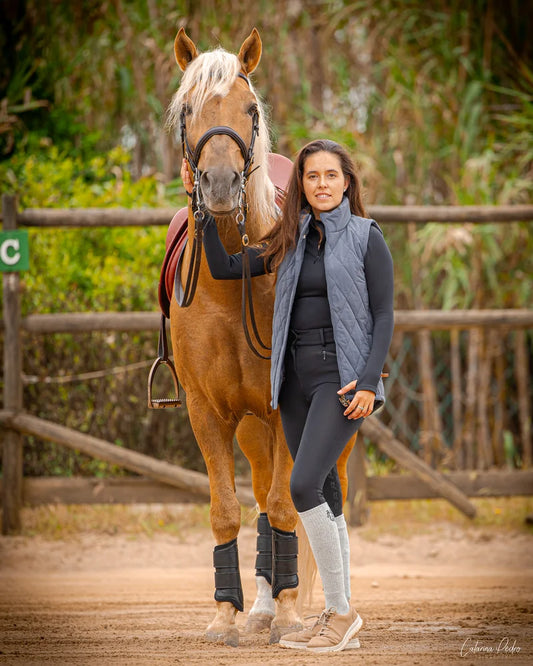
(279,170)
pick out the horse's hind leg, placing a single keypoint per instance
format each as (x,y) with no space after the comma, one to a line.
(215,439)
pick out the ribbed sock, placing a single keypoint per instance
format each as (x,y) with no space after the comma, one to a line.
(323,534)
(345,552)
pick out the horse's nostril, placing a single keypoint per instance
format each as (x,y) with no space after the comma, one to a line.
(206,181)
(235,183)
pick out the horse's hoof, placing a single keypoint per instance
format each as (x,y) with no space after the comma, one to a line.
(258,622)
(229,636)
(276,632)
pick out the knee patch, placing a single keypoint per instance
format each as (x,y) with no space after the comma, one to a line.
(284,561)
(263,560)
(228,585)
(332,492)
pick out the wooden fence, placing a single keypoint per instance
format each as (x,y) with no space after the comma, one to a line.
(184,483)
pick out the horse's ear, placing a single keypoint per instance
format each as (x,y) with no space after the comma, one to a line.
(250,53)
(184,49)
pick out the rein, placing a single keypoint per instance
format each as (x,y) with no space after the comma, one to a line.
(198,210)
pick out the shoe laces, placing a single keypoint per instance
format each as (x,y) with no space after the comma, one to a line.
(315,616)
(325,618)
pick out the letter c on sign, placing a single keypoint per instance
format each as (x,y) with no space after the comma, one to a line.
(10,259)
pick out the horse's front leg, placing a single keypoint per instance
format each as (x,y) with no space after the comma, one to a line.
(282,516)
(215,439)
(256,441)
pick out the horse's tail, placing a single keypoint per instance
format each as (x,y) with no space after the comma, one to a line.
(307,570)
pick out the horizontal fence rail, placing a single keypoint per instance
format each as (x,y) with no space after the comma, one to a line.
(404,320)
(133,490)
(129,217)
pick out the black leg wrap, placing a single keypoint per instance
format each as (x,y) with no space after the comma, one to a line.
(263,561)
(227,576)
(284,561)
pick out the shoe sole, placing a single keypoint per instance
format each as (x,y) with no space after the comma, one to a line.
(354,629)
(352,644)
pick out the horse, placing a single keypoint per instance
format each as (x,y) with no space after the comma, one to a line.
(227,385)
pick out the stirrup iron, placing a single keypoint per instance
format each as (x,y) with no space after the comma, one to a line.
(163,359)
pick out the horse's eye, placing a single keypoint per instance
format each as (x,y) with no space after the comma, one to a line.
(252,109)
(187,109)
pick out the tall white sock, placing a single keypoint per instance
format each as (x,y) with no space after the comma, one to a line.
(323,534)
(345,552)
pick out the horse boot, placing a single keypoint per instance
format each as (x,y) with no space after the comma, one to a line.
(263,560)
(284,574)
(228,590)
(264,608)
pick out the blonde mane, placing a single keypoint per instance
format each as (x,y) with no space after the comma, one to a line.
(211,74)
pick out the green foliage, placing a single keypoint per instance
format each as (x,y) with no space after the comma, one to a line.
(87,269)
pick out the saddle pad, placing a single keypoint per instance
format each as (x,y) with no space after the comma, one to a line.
(175,244)
(279,171)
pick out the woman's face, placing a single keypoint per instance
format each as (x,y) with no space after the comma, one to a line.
(323,181)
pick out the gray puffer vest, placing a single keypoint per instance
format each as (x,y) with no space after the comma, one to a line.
(344,254)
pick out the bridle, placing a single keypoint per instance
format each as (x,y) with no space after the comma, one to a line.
(193,156)
(186,297)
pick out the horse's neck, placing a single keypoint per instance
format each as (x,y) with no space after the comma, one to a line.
(229,234)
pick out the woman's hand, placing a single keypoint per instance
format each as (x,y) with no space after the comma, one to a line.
(362,403)
(186,177)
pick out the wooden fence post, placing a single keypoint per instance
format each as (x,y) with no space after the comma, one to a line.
(357,486)
(12,441)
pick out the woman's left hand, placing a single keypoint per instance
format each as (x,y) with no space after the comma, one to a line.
(362,403)
(186,176)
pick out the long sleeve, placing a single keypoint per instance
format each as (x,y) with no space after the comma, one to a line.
(224,266)
(380,282)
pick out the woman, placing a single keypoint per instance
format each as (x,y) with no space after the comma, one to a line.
(332,327)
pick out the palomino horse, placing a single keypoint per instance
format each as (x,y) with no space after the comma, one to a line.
(227,386)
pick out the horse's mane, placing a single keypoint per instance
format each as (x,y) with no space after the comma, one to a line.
(213,73)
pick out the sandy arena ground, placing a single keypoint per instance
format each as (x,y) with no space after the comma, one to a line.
(445,595)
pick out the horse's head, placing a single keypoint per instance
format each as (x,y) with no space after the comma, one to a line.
(216,93)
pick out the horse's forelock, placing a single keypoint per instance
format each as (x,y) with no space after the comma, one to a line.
(213,73)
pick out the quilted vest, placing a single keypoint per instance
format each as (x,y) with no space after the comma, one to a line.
(344,254)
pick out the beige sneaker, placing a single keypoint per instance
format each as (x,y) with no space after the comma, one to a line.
(298,640)
(335,631)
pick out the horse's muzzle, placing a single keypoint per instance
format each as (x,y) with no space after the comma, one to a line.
(220,188)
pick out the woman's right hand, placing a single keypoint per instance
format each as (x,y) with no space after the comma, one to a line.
(186,176)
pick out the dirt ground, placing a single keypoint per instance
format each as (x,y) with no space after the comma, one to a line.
(446,594)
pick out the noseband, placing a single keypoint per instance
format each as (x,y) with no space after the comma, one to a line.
(198,210)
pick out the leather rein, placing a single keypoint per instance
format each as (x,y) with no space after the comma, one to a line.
(198,209)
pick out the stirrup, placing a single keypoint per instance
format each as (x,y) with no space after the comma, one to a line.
(162,403)
(163,359)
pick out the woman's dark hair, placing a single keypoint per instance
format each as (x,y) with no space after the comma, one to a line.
(284,233)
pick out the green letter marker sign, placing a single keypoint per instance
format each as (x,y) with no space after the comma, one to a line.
(14,251)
